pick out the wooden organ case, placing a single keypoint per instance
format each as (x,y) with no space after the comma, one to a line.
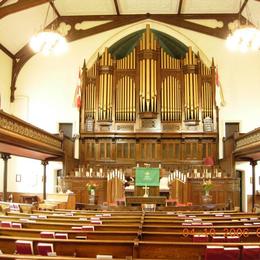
(149,107)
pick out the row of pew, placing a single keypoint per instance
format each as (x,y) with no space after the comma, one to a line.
(135,235)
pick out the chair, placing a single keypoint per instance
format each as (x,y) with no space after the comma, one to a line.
(250,253)
(61,235)
(44,248)
(24,247)
(214,252)
(47,234)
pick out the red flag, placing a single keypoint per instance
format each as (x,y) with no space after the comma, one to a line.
(77,95)
(219,92)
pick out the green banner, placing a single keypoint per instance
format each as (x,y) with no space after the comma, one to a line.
(147,176)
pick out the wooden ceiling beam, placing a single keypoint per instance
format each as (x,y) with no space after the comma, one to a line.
(115,21)
(20,6)
(6,51)
(243,7)
(180,6)
(3,2)
(117,8)
(55,9)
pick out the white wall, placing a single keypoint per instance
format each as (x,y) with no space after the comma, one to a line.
(48,83)
(5,81)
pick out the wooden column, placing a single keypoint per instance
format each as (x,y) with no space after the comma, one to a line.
(5,157)
(253,164)
(44,163)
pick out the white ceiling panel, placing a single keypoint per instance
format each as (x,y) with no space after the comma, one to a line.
(17,29)
(148,6)
(252,12)
(210,6)
(85,7)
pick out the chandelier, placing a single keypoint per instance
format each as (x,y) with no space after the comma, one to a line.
(48,41)
(246,37)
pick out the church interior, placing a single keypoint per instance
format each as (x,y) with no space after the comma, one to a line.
(129,129)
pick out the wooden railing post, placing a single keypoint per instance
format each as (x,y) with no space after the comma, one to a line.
(5,157)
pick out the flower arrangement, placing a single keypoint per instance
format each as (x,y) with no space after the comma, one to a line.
(207,186)
(91,186)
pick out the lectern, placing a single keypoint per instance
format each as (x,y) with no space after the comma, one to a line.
(147,180)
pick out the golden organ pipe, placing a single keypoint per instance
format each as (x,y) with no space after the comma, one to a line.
(152,84)
(111,94)
(171,96)
(185,96)
(168,97)
(148,86)
(191,96)
(141,84)
(194,94)
(188,96)
(127,99)
(100,96)
(108,96)
(155,86)
(197,102)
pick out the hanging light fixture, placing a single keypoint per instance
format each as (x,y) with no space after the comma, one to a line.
(48,41)
(244,38)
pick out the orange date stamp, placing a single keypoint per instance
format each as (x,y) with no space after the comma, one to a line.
(227,232)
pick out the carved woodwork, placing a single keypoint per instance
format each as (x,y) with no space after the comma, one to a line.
(21,138)
(147,106)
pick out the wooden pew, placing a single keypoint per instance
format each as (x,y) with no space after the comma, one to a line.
(38,257)
(93,235)
(179,250)
(75,247)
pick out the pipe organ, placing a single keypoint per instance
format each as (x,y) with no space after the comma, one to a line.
(150,106)
(148,98)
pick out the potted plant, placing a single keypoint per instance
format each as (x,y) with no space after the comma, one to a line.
(91,187)
(207,186)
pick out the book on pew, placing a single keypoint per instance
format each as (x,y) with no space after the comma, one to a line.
(47,234)
(24,247)
(44,248)
(89,228)
(33,216)
(94,218)
(61,235)
(96,221)
(83,219)
(81,237)
(42,216)
(76,228)
(6,224)
(16,225)
(106,215)
(69,214)
(233,239)
(104,257)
